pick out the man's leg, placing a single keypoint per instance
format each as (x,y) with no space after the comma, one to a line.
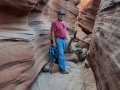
(60,48)
(64,44)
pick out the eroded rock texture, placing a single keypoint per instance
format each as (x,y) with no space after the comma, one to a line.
(82,4)
(87,16)
(41,21)
(18,67)
(23,47)
(105,46)
(51,9)
(85,21)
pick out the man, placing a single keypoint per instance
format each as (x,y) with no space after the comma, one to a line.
(58,37)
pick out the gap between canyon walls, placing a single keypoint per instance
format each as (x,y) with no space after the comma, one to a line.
(40,21)
(104,51)
(23,48)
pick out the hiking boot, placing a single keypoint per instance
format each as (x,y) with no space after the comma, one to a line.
(64,72)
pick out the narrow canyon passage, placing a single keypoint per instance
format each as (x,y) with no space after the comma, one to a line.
(79,78)
(93,28)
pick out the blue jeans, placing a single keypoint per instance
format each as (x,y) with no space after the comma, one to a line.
(60,45)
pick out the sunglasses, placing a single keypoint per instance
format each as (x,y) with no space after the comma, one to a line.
(63,25)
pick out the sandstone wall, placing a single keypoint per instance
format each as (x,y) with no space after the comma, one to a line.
(82,4)
(18,67)
(105,46)
(87,16)
(69,7)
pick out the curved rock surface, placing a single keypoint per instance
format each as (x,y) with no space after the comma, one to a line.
(18,67)
(82,4)
(17,4)
(105,46)
(51,9)
(87,16)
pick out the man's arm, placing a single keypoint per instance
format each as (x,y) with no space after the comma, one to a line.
(53,38)
(52,34)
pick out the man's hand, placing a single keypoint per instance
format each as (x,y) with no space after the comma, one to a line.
(53,39)
(54,44)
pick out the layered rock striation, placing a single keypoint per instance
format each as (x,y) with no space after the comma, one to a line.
(87,16)
(18,66)
(105,46)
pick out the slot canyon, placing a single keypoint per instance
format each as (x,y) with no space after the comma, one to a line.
(25,40)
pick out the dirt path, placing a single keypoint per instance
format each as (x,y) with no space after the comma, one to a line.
(79,78)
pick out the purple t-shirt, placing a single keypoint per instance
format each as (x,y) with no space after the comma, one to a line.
(59,28)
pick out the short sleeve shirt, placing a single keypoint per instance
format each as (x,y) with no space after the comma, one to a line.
(59,28)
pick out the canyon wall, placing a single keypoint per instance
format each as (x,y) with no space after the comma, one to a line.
(17,68)
(105,46)
(82,4)
(24,38)
(87,15)
(69,7)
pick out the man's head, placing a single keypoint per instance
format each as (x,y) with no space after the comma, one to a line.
(61,15)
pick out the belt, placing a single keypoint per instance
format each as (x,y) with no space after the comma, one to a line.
(60,37)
